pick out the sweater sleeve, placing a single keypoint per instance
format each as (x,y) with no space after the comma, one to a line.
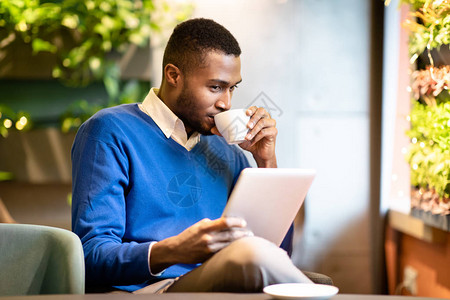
(100,179)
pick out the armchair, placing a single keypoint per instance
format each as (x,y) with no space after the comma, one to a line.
(40,260)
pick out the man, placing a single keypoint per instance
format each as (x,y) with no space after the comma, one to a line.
(150,181)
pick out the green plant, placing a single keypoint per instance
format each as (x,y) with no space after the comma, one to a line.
(429,152)
(118,93)
(429,24)
(81,33)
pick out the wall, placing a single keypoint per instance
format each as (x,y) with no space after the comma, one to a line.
(310,58)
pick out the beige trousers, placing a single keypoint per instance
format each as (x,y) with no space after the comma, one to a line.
(245,266)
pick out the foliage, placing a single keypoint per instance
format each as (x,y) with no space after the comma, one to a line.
(10,119)
(118,93)
(82,34)
(429,153)
(429,24)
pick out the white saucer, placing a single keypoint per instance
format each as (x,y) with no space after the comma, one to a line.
(304,291)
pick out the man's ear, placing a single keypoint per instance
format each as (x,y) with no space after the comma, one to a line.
(172,75)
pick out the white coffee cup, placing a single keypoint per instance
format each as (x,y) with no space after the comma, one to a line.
(232,125)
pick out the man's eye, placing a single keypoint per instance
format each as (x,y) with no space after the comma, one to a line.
(215,88)
(233,87)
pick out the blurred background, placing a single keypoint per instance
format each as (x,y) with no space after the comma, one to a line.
(336,75)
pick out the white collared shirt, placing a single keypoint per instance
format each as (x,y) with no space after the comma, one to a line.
(167,121)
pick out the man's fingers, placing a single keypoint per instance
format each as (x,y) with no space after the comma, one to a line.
(229,235)
(213,248)
(257,113)
(269,133)
(251,110)
(221,239)
(261,125)
(223,223)
(214,225)
(235,222)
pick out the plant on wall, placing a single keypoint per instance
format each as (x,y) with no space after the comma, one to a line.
(429,151)
(429,26)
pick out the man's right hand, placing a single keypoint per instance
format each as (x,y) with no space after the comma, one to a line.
(197,243)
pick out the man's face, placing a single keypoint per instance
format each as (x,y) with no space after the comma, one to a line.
(207,90)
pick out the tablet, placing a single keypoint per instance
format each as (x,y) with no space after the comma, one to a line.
(269,199)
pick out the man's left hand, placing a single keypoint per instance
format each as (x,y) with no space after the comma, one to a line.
(261,138)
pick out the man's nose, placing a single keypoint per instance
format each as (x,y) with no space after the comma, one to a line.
(225,101)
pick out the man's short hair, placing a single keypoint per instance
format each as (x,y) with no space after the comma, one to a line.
(191,40)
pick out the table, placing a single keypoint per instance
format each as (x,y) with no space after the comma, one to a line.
(199,296)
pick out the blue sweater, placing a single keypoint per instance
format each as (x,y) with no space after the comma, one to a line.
(132,185)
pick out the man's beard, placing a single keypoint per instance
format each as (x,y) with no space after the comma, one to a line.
(187,111)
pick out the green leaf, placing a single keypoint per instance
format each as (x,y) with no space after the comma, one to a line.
(131,92)
(429,157)
(41,45)
(111,81)
(6,176)
(109,25)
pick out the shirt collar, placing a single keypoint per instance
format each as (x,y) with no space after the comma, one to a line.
(167,120)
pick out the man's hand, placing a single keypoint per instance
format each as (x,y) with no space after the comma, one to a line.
(261,138)
(197,243)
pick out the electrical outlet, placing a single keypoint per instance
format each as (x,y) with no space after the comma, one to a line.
(410,280)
